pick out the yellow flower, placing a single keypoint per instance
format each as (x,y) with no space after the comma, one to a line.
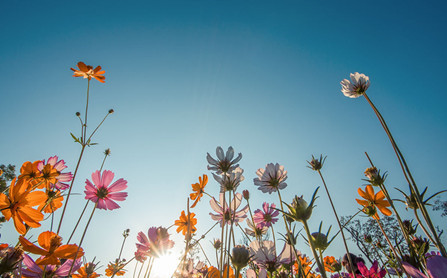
(374,201)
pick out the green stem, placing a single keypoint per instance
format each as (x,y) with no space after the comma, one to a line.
(312,247)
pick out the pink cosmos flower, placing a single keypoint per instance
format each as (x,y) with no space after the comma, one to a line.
(156,243)
(59,166)
(101,193)
(227,214)
(374,272)
(35,271)
(265,218)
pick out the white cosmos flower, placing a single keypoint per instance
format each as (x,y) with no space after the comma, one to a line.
(254,231)
(230,181)
(225,162)
(227,214)
(264,255)
(356,87)
(271,178)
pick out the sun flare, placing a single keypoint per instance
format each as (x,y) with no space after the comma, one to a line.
(165,266)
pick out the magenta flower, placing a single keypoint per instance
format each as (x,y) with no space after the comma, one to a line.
(101,193)
(59,166)
(265,218)
(436,267)
(374,272)
(35,271)
(156,243)
(225,214)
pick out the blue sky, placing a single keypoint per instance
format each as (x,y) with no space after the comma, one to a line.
(187,76)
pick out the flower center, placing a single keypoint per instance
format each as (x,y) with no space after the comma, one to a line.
(102,192)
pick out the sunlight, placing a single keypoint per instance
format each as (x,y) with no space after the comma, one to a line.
(164,266)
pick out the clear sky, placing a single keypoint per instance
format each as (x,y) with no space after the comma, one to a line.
(187,76)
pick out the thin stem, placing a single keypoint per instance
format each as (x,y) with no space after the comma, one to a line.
(351,264)
(79,220)
(82,239)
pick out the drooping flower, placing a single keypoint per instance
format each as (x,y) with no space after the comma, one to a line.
(356,87)
(226,214)
(199,189)
(88,72)
(101,193)
(52,173)
(266,216)
(34,270)
(373,272)
(86,271)
(373,201)
(230,181)
(255,231)
(19,205)
(116,268)
(271,179)
(186,224)
(155,244)
(264,255)
(51,249)
(225,162)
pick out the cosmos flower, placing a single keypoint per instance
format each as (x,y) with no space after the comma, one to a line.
(155,244)
(264,255)
(225,162)
(271,179)
(116,268)
(51,249)
(19,203)
(266,216)
(86,271)
(373,272)
(29,170)
(356,87)
(53,202)
(230,181)
(227,214)
(34,270)
(186,221)
(374,201)
(199,189)
(52,173)
(88,72)
(101,193)
(436,268)
(255,231)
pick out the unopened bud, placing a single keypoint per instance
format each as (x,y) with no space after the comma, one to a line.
(78,114)
(240,256)
(246,194)
(111,111)
(319,241)
(217,244)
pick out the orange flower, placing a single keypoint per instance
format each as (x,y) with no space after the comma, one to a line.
(374,201)
(115,268)
(18,205)
(29,172)
(88,72)
(329,261)
(183,222)
(52,249)
(87,271)
(198,189)
(214,272)
(53,202)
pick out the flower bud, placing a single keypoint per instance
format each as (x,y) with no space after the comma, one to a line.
(374,176)
(246,194)
(408,227)
(420,244)
(301,210)
(217,244)
(319,241)
(107,152)
(126,233)
(370,210)
(336,266)
(78,114)
(240,256)
(367,238)
(316,164)
(111,111)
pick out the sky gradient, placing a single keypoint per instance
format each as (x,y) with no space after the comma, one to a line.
(187,76)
